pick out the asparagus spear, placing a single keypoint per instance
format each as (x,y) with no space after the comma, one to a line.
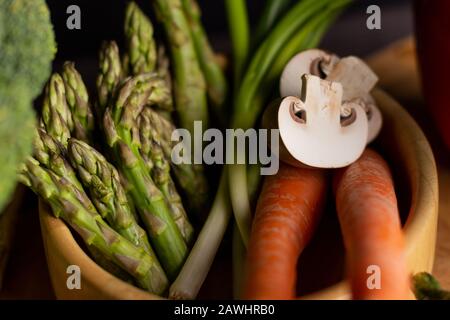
(142,55)
(109,265)
(159,169)
(215,79)
(78,101)
(189,83)
(155,89)
(125,63)
(160,94)
(50,154)
(61,196)
(109,197)
(190,177)
(56,117)
(163,66)
(139,38)
(123,138)
(109,76)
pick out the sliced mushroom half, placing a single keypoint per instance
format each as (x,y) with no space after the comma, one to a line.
(356,77)
(316,130)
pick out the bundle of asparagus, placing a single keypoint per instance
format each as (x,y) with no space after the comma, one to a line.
(103,188)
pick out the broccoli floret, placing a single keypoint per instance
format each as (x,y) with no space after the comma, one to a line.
(17,127)
(27,43)
(27,47)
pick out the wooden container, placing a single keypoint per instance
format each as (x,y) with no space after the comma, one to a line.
(401,140)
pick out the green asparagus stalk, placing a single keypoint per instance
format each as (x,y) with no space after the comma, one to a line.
(155,88)
(163,66)
(426,287)
(110,266)
(78,101)
(56,116)
(190,177)
(189,83)
(142,55)
(122,136)
(159,168)
(50,154)
(107,194)
(61,196)
(139,38)
(125,64)
(215,79)
(160,95)
(109,76)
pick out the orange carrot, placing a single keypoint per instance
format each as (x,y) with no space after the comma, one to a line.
(367,209)
(287,213)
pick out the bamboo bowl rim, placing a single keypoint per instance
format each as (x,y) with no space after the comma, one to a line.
(412,144)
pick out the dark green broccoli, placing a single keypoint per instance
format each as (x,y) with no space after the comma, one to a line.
(27,43)
(27,48)
(17,127)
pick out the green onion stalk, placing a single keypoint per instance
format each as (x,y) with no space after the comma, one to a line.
(249,102)
(238,25)
(193,274)
(272,11)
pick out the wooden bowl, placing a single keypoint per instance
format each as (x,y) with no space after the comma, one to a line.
(401,140)
(408,150)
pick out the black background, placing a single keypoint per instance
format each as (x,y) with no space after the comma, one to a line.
(103,20)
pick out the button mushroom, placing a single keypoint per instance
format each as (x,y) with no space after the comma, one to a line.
(316,130)
(356,77)
(314,61)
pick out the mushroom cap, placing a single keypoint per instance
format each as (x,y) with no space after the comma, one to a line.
(300,64)
(321,141)
(375,119)
(356,77)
